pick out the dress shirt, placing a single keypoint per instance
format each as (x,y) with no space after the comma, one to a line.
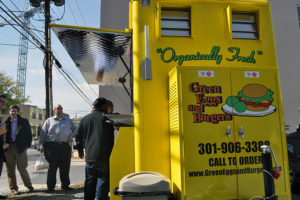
(14,126)
(57,130)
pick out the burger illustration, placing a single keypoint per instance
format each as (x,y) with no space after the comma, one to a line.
(253,97)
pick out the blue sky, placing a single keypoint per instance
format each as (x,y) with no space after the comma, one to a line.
(77,13)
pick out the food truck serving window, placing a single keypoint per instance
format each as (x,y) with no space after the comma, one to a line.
(244,26)
(175,22)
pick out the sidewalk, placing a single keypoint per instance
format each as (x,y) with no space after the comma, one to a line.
(39,182)
(41,194)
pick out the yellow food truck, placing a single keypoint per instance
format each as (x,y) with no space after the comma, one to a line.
(206,96)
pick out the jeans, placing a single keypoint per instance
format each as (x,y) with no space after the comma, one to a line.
(96,182)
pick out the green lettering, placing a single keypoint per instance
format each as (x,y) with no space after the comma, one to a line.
(168,55)
(206,57)
(219,59)
(232,50)
(162,55)
(180,59)
(252,59)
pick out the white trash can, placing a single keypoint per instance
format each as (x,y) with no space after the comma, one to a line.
(144,186)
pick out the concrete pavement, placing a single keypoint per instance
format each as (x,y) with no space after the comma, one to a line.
(39,178)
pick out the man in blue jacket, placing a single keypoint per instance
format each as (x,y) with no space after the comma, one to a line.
(97,137)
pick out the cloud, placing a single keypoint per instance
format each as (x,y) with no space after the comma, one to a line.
(72,103)
(95,88)
(36,72)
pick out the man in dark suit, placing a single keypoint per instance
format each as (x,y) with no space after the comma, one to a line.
(19,138)
(2,145)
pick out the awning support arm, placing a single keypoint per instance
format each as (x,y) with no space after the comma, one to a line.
(126,90)
(125,64)
(122,80)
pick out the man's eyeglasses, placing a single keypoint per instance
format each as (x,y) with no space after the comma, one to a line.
(1,101)
(59,108)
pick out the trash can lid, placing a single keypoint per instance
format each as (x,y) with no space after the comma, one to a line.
(144,182)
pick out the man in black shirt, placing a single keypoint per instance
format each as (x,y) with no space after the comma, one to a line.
(97,137)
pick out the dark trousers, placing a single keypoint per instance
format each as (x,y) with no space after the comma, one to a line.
(1,163)
(58,154)
(96,182)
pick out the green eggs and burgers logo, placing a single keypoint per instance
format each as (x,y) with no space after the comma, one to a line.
(252,100)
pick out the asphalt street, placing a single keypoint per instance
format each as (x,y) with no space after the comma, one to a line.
(39,178)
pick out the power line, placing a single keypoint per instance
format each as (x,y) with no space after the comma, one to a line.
(42,47)
(20,23)
(78,90)
(14,11)
(59,66)
(62,15)
(91,94)
(119,97)
(24,17)
(75,84)
(77,111)
(2,25)
(80,12)
(15,45)
(72,13)
(92,90)
(39,47)
(82,96)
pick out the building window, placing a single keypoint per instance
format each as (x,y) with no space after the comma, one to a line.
(33,115)
(175,22)
(40,116)
(244,26)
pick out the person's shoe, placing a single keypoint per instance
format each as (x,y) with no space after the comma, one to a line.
(31,189)
(50,190)
(3,197)
(67,188)
(14,192)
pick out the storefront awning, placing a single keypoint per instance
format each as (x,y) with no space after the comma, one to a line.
(102,56)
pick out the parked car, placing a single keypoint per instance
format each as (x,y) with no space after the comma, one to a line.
(293,145)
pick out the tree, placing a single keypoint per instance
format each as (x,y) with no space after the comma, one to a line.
(9,88)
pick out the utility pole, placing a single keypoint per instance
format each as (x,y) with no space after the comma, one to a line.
(48,62)
(48,53)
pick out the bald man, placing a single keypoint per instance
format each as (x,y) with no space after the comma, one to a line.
(55,139)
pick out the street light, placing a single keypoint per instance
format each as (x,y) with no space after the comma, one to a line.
(37,3)
(48,54)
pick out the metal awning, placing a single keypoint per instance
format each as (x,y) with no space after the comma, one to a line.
(102,56)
